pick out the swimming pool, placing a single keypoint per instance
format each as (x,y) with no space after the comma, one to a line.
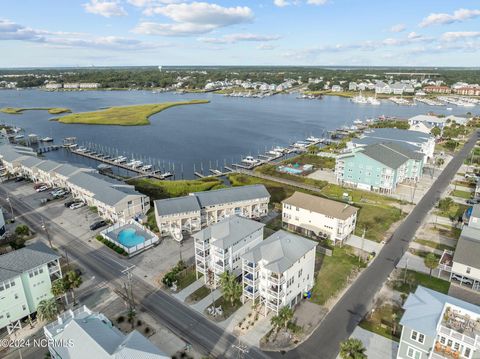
(129,237)
(291,170)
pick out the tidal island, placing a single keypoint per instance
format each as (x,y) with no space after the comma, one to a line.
(135,115)
(19,110)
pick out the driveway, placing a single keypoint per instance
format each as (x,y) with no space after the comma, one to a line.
(378,347)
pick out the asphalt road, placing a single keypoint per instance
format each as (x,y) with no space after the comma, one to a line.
(205,336)
(340,322)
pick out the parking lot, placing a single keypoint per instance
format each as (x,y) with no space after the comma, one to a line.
(150,265)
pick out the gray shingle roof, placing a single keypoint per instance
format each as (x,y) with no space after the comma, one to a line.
(8,154)
(383,154)
(22,260)
(47,165)
(424,307)
(233,194)
(67,170)
(30,161)
(280,251)
(183,204)
(373,141)
(396,134)
(467,251)
(228,231)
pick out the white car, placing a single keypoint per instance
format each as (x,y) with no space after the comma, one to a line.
(77,205)
(42,189)
(462,279)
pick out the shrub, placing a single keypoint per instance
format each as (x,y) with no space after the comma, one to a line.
(120,319)
(22,230)
(147,330)
(139,323)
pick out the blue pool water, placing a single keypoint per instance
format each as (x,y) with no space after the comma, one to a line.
(129,237)
(290,170)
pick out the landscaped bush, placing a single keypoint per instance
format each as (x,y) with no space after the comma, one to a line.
(111,245)
(171,277)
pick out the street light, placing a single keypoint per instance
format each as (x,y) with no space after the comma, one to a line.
(44,227)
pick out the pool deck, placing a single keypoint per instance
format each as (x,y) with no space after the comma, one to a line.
(113,232)
(139,232)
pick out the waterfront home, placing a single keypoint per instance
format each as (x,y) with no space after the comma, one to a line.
(468,90)
(421,127)
(412,140)
(352,86)
(437,89)
(86,334)
(218,248)
(319,217)
(437,326)
(26,277)
(113,199)
(278,271)
(379,167)
(191,213)
(337,88)
(53,86)
(382,87)
(435,121)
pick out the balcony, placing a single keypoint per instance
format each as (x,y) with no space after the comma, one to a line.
(274,291)
(442,351)
(250,292)
(460,325)
(276,280)
(250,267)
(248,278)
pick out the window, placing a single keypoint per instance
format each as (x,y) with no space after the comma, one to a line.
(413,353)
(418,337)
(466,353)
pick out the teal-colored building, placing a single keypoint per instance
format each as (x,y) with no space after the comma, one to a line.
(379,167)
(26,277)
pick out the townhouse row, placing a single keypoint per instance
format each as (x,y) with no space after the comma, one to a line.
(113,199)
(193,212)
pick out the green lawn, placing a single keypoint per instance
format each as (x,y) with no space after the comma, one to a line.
(271,170)
(333,273)
(376,220)
(198,295)
(448,231)
(158,189)
(18,110)
(134,115)
(186,277)
(461,194)
(414,279)
(454,211)
(384,321)
(434,245)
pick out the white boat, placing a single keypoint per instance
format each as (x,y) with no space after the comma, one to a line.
(358,122)
(373,101)
(300,144)
(279,149)
(166,174)
(274,153)
(313,139)
(19,137)
(449,109)
(131,163)
(359,99)
(146,168)
(47,139)
(120,159)
(81,149)
(137,164)
(250,160)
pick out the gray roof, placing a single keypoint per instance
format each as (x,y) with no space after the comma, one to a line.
(30,161)
(228,231)
(9,154)
(47,165)
(233,194)
(467,251)
(373,141)
(67,170)
(424,307)
(280,251)
(407,151)
(14,263)
(476,209)
(383,154)
(101,340)
(395,134)
(169,206)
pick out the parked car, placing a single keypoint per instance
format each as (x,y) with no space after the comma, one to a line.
(19,179)
(77,205)
(38,185)
(59,194)
(42,189)
(462,279)
(473,201)
(97,225)
(69,203)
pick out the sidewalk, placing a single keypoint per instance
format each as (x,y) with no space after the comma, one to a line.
(416,263)
(183,294)
(365,244)
(205,302)
(378,347)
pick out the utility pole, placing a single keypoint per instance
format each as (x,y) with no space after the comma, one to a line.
(129,292)
(11,209)
(241,349)
(44,227)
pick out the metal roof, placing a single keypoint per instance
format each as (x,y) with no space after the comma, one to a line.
(424,307)
(230,195)
(183,204)
(30,161)
(280,251)
(9,154)
(14,263)
(67,170)
(467,251)
(395,134)
(227,232)
(383,154)
(321,205)
(48,165)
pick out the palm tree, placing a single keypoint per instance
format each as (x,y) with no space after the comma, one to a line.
(286,315)
(72,281)
(431,262)
(352,349)
(231,289)
(47,309)
(59,288)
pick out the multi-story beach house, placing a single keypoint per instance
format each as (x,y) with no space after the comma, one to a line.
(86,334)
(416,141)
(315,216)
(26,277)
(200,209)
(113,199)
(379,167)
(218,248)
(278,271)
(435,121)
(438,326)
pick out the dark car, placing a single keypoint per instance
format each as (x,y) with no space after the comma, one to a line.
(473,201)
(19,179)
(69,203)
(98,225)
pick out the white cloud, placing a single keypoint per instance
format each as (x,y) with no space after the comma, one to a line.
(413,35)
(234,38)
(281,3)
(145,3)
(459,15)
(316,2)
(193,18)
(459,35)
(104,8)
(398,28)
(13,31)
(266,47)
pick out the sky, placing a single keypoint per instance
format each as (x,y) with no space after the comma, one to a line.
(232,32)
